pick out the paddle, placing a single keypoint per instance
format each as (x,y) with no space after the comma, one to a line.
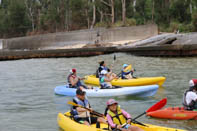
(155,107)
(113,62)
(99,114)
(92,111)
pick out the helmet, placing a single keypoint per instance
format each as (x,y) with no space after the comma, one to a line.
(103,72)
(111,101)
(125,65)
(193,82)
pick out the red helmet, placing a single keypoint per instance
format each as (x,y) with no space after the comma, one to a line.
(73,70)
(192,82)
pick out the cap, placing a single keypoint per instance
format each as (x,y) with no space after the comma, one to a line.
(103,72)
(192,82)
(125,65)
(73,70)
(111,101)
(80,92)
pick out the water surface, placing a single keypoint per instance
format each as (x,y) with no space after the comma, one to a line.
(28,102)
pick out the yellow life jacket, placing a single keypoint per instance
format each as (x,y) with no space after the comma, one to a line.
(118,118)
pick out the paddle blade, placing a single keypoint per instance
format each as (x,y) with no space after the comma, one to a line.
(158,105)
(72,103)
(114,57)
(128,68)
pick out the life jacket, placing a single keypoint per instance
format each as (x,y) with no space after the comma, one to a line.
(118,118)
(77,114)
(125,75)
(189,106)
(104,84)
(68,78)
(69,83)
(98,71)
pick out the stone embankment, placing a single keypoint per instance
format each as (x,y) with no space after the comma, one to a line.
(166,45)
(139,40)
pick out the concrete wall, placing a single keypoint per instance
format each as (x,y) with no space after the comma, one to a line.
(54,40)
(1,44)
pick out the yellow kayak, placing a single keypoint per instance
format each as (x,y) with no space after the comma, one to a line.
(67,124)
(91,79)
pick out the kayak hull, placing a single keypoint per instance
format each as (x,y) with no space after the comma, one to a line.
(91,79)
(65,123)
(177,113)
(139,91)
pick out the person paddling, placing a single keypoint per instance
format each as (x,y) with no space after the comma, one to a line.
(74,80)
(126,74)
(190,96)
(103,67)
(81,115)
(119,119)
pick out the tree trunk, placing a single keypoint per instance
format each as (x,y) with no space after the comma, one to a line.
(94,15)
(153,10)
(67,15)
(123,11)
(134,4)
(112,11)
(101,15)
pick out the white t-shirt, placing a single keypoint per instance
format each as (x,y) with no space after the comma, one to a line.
(190,96)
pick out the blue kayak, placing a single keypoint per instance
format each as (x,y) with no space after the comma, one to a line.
(139,91)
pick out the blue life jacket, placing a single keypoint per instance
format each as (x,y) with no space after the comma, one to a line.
(98,72)
(84,103)
(123,74)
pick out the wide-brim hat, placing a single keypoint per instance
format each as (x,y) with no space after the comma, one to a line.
(111,102)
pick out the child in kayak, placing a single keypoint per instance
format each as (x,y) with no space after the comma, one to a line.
(105,80)
(127,74)
(119,119)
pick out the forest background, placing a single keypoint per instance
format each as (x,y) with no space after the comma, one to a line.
(30,17)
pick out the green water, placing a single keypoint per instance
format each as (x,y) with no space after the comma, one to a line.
(28,102)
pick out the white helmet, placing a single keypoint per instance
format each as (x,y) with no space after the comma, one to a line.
(103,72)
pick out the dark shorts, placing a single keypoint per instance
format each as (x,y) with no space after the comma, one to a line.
(81,120)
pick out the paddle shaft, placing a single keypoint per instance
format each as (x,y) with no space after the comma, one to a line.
(113,62)
(154,107)
(92,111)
(139,116)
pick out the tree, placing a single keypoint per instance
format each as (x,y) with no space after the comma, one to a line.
(123,11)
(110,4)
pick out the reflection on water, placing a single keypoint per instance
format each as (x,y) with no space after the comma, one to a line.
(28,102)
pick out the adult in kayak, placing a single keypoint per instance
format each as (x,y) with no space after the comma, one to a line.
(102,66)
(105,79)
(81,115)
(119,119)
(126,74)
(74,81)
(190,96)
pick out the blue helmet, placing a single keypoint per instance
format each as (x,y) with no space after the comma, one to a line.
(125,65)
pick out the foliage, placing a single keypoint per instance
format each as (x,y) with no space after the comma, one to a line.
(194,20)
(21,17)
